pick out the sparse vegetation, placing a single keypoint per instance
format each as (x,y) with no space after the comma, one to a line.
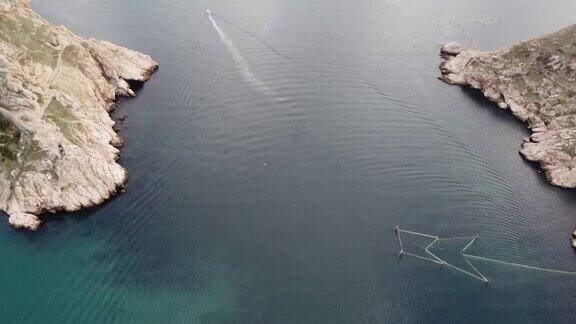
(9,140)
(54,95)
(61,116)
(34,39)
(537,80)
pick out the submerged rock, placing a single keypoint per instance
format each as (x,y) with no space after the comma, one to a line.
(536,80)
(57,143)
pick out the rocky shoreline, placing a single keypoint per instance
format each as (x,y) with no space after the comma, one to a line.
(536,80)
(58,148)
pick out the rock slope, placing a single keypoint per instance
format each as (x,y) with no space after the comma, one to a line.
(536,80)
(58,149)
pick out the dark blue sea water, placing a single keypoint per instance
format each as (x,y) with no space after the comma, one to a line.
(271,157)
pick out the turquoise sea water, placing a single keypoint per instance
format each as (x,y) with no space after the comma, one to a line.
(268,167)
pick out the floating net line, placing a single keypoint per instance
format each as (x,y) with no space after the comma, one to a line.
(474,273)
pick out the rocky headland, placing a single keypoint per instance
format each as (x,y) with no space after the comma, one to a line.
(58,148)
(536,80)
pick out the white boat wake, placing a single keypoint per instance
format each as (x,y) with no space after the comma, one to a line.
(243,66)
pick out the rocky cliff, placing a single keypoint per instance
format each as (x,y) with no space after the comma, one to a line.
(536,80)
(58,149)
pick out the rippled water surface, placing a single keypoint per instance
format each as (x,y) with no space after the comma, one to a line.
(271,156)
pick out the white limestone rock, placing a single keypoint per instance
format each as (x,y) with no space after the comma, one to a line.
(536,80)
(57,143)
(452,48)
(24,220)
